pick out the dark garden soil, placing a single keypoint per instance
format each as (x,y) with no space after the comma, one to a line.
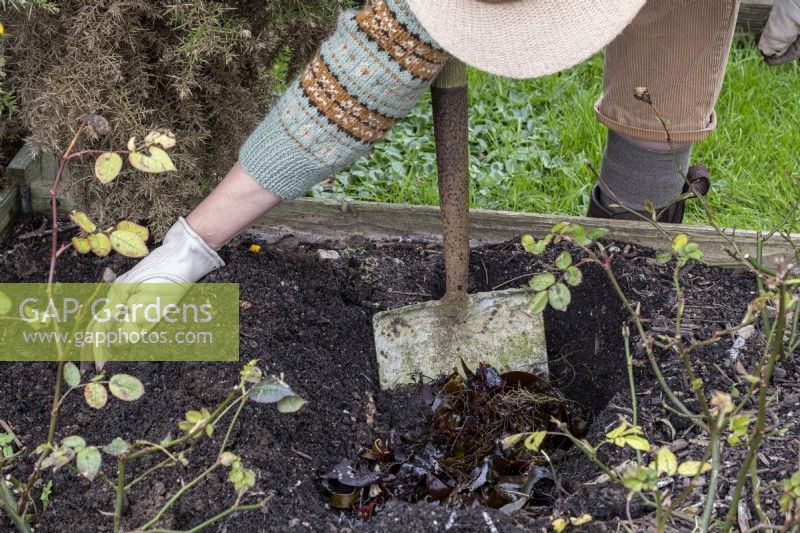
(311,320)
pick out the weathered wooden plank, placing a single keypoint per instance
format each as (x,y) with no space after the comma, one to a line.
(20,171)
(9,210)
(753,14)
(317,219)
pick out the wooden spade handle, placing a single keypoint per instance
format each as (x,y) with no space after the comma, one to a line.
(451,131)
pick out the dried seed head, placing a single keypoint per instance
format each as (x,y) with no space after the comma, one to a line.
(98,124)
(643,94)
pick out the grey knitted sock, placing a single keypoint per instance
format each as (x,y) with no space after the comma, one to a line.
(632,174)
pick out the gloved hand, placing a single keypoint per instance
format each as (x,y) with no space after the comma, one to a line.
(780,41)
(182,259)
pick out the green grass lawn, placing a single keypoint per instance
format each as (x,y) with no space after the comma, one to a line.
(530,140)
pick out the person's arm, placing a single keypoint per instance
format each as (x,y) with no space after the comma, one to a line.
(237,202)
(365,77)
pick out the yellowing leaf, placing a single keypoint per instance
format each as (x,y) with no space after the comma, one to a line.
(156,162)
(83,221)
(2,29)
(255,248)
(582,519)
(133,227)
(95,395)
(693,468)
(132,144)
(163,138)
(128,244)
(511,441)
(107,167)
(535,440)
(636,442)
(666,462)
(81,245)
(559,525)
(100,244)
(680,241)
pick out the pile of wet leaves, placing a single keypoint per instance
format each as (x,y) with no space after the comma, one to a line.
(461,461)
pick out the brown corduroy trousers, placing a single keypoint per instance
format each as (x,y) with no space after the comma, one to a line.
(678,49)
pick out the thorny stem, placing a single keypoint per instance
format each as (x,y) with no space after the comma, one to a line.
(711,495)
(175,497)
(697,385)
(232,396)
(626,334)
(756,487)
(120,494)
(166,463)
(650,356)
(24,498)
(774,353)
(216,518)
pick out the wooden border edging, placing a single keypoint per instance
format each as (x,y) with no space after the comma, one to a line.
(319,219)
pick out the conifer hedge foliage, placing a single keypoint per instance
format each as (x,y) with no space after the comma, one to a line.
(207,69)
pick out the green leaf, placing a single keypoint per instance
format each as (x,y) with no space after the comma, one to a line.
(5,303)
(541,245)
(163,138)
(156,162)
(597,233)
(128,243)
(125,387)
(95,395)
(528,243)
(88,462)
(75,442)
(83,221)
(693,468)
(538,302)
(559,297)
(542,281)
(81,245)
(291,404)
(141,231)
(116,447)
(270,390)
(579,235)
(574,276)
(640,478)
(534,440)
(107,167)
(100,244)
(662,258)
(72,376)
(564,260)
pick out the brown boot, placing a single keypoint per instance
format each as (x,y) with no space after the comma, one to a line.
(700,184)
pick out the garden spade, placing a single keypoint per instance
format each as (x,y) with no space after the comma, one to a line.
(433,338)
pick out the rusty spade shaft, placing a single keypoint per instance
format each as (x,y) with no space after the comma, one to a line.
(451,131)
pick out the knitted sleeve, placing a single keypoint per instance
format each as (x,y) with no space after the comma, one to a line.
(365,77)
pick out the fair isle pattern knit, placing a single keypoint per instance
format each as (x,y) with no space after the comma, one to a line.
(365,77)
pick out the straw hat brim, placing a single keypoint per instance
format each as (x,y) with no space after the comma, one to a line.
(524,38)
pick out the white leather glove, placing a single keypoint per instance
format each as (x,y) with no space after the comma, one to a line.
(780,41)
(182,258)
